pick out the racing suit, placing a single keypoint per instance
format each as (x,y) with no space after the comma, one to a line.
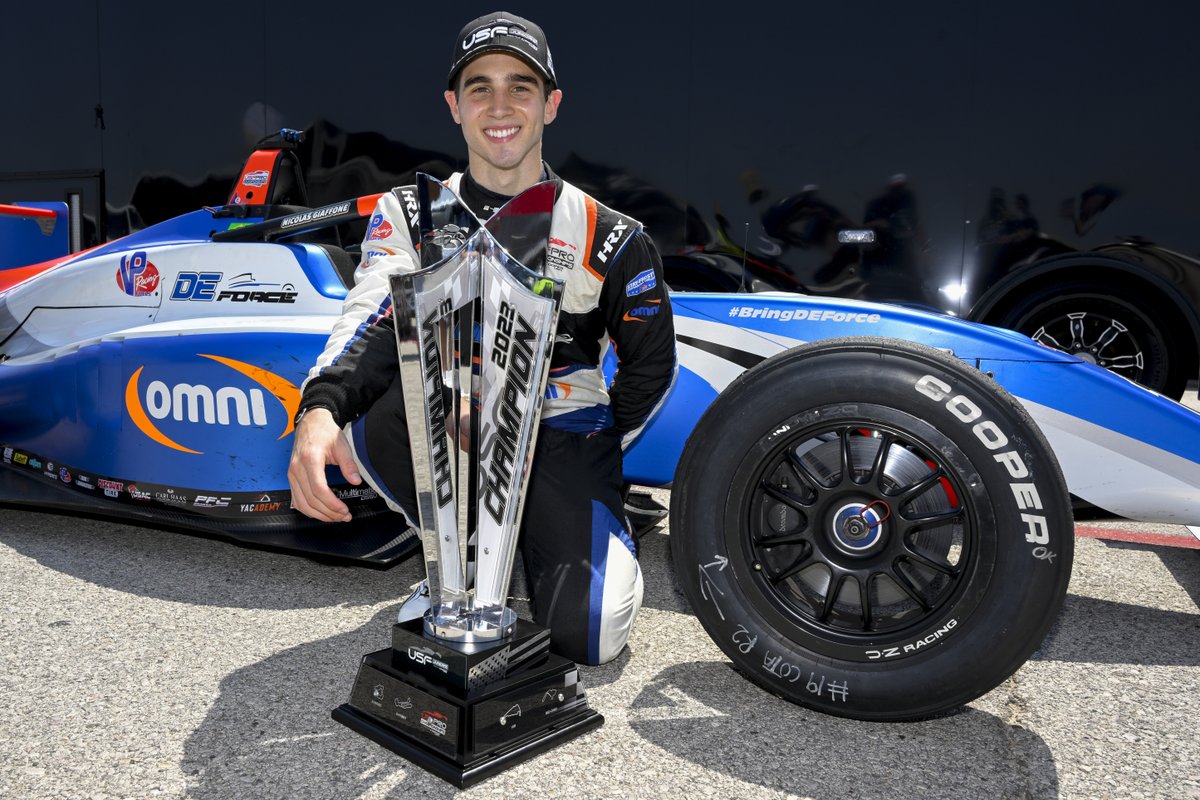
(578,552)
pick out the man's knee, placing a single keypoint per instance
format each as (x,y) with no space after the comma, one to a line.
(590,624)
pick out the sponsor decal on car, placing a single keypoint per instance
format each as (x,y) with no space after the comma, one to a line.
(211,501)
(195,407)
(356,493)
(206,287)
(64,475)
(111,488)
(137,494)
(136,276)
(315,215)
(641,283)
(8,454)
(258,177)
(34,463)
(265,505)
(812,315)
(171,497)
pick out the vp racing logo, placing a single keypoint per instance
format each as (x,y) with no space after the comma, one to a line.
(137,277)
(197,408)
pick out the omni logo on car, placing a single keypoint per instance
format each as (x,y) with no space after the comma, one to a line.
(201,404)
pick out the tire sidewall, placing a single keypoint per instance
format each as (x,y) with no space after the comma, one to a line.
(1000,611)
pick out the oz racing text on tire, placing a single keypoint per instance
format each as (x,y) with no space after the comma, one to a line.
(871,528)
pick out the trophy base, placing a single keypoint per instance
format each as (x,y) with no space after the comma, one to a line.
(466,736)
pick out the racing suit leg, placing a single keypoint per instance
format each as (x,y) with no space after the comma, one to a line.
(579,557)
(379,442)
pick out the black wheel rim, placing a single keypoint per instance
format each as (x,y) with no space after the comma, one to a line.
(1103,331)
(859,532)
(1095,337)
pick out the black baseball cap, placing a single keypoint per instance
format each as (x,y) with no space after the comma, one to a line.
(502,32)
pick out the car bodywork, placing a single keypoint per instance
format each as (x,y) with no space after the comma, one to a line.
(156,378)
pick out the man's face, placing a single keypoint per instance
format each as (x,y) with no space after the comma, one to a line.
(502,108)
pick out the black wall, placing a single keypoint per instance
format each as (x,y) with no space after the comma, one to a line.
(699,118)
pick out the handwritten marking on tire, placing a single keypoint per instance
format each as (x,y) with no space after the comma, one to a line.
(744,641)
(815,684)
(708,589)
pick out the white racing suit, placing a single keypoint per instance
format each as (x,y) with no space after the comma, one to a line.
(579,555)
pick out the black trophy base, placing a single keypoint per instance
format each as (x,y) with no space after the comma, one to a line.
(466,736)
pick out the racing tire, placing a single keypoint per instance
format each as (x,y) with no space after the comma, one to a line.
(1117,328)
(872,529)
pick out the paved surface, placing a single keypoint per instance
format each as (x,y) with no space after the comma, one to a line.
(140,664)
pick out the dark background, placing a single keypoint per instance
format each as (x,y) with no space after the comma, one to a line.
(694,117)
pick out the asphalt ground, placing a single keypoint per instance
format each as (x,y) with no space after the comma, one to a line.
(141,664)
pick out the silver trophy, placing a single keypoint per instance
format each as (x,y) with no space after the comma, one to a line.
(471,689)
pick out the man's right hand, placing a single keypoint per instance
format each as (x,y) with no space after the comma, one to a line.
(318,442)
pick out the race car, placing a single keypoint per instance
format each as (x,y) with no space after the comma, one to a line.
(870,508)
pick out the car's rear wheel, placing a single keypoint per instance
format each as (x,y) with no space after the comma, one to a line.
(1120,331)
(872,529)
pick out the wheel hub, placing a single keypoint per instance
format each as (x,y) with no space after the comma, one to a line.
(857,528)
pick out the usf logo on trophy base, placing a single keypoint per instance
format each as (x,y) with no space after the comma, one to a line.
(471,689)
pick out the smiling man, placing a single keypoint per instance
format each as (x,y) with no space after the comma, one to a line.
(579,555)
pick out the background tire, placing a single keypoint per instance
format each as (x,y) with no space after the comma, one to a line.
(1118,329)
(872,529)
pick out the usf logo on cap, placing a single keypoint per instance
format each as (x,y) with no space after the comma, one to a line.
(505,33)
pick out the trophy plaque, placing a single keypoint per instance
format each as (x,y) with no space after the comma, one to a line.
(470,689)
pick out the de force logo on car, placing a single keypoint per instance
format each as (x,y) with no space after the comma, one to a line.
(190,409)
(208,287)
(136,276)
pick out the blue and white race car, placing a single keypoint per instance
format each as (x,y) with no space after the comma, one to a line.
(870,506)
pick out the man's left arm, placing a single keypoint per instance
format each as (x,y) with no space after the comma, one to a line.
(637,313)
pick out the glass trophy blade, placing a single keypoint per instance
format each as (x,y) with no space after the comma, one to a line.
(474,330)
(444,220)
(522,225)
